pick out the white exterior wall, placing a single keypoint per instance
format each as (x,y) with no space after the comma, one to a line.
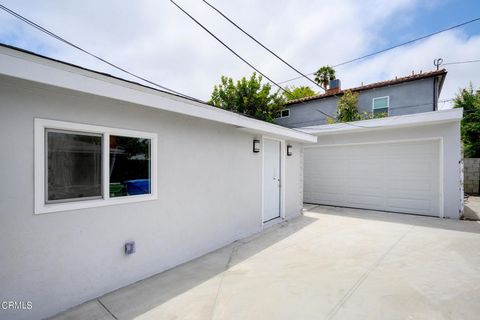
(449,133)
(209,194)
(293,182)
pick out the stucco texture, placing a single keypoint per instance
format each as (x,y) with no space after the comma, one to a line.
(209,194)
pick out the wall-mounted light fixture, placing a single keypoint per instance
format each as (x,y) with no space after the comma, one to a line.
(256,146)
(289,150)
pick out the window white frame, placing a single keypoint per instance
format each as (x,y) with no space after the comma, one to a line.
(287,109)
(41,125)
(378,98)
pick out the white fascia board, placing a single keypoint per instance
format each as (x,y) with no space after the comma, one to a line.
(34,68)
(409,120)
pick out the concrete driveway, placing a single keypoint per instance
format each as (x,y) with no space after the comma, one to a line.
(472,208)
(331,263)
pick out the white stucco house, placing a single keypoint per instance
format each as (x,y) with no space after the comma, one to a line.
(105,182)
(92,163)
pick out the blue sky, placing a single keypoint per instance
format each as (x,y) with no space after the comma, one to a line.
(434,16)
(155,40)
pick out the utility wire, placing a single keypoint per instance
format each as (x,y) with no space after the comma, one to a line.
(248,63)
(394,47)
(42,29)
(225,45)
(460,62)
(262,45)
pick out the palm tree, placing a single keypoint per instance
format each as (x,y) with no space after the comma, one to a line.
(324,75)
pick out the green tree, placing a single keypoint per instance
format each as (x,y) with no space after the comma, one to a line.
(347,107)
(469,100)
(324,75)
(294,93)
(248,96)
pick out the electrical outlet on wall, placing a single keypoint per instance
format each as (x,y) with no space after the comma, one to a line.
(129,247)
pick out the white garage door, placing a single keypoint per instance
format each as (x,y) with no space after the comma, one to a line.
(398,177)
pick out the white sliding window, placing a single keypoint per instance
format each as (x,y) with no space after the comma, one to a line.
(81,166)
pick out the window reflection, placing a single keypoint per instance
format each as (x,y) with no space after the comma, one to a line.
(74,163)
(130,164)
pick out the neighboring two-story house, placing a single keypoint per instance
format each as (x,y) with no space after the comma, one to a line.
(406,95)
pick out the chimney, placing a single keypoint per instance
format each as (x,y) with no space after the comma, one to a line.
(334,87)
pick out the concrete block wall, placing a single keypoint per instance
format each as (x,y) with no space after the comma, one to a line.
(471,173)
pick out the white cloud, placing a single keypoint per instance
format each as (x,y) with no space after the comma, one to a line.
(155,40)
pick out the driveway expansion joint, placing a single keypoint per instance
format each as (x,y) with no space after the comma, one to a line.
(109,312)
(364,277)
(227,266)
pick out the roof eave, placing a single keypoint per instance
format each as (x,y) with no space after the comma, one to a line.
(35,68)
(418,119)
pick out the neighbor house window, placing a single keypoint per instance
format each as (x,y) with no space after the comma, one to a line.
(285,113)
(380,105)
(79,166)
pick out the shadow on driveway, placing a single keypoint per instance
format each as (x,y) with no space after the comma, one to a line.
(139,298)
(409,219)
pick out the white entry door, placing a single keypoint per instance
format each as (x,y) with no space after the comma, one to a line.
(396,176)
(271,179)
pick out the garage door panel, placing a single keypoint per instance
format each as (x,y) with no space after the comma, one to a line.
(364,200)
(399,177)
(325,198)
(410,186)
(408,204)
(364,186)
(355,201)
(409,167)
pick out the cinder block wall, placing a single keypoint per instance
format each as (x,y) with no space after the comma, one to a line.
(471,173)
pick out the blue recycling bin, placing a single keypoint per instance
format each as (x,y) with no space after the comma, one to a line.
(138,186)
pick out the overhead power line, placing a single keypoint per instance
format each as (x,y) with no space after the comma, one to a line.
(393,47)
(245,61)
(225,45)
(262,45)
(460,62)
(59,38)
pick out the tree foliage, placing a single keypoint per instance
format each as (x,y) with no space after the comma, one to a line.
(469,100)
(347,110)
(294,93)
(347,107)
(248,96)
(324,75)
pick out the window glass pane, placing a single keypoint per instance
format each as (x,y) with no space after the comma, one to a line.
(380,111)
(380,103)
(129,166)
(74,162)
